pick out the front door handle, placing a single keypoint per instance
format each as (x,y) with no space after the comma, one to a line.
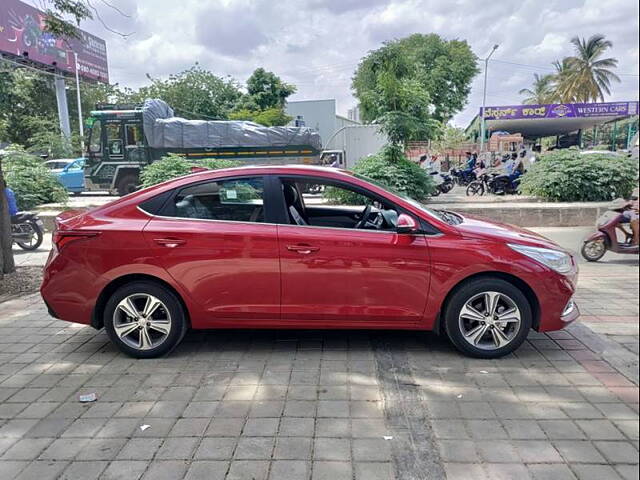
(170,242)
(302,249)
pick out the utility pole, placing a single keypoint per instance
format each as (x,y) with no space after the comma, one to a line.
(484,97)
(79,106)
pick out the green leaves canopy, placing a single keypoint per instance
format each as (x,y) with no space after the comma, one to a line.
(413,85)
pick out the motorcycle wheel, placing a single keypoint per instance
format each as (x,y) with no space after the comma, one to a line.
(475,188)
(447,186)
(37,236)
(593,250)
(436,191)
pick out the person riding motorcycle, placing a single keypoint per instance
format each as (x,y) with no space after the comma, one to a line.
(11,199)
(630,216)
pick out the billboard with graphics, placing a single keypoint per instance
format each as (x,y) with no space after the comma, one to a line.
(561,110)
(22,35)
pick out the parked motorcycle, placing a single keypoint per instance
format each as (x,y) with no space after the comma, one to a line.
(494,183)
(27,230)
(596,244)
(463,177)
(444,183)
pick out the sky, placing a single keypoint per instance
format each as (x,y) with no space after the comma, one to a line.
(316,44)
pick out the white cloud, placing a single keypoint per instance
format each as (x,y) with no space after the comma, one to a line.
(316,44)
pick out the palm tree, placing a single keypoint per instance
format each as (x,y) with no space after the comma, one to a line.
(562,84)
(541,91)
(590,76)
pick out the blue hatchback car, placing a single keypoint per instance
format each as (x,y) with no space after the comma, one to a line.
(70,173)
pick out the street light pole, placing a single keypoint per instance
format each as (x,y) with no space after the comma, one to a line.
(484,97)
(79,106)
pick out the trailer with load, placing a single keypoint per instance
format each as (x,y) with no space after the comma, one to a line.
(351,143)
(122,139)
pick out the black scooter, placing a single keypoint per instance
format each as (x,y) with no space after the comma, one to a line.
(27,230)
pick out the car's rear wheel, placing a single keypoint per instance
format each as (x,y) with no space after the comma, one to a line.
(488,318)
(144,319)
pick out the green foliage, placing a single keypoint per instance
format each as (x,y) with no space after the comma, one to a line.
(47,140)
(271,117)
(542,90)
(31,181)
(194,93)
(583,77)
(267,90)
(55,20)
(451,138)
(173,166)
(390,168)
(568,176)
(413,85)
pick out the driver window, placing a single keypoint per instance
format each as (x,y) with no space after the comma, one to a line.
(114,139)
(328,204)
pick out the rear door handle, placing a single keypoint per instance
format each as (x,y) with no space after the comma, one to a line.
(170,242)
(302,249)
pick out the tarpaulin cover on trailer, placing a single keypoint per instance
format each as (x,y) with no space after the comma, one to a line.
(163,130)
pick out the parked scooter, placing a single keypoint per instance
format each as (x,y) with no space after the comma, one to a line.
(27,230)
(596,244)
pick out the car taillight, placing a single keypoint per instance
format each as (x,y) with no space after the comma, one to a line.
(64,237)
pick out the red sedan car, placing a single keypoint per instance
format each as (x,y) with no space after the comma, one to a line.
(300,247)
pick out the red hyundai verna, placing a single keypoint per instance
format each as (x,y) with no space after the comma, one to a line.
(300,247)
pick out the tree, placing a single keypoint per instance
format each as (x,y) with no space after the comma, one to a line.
(267,90)
(451,138)
(265,100)
(590,75)
(194,93)
(414,85)
(271,117)
(56,23)
(585,76)
(541,91)
(561,81)
(7,264)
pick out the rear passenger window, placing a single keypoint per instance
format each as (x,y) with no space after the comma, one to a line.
(238,200)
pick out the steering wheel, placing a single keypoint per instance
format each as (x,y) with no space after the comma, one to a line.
(363,217)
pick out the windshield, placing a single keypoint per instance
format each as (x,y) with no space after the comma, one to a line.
(449,217)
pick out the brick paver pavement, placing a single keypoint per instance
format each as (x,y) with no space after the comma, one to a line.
(325,405)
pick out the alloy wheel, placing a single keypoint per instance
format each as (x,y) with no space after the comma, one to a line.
(142,321)
(489,320)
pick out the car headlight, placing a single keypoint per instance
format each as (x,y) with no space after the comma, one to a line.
(554,259)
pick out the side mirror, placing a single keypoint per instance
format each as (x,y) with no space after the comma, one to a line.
(406,224)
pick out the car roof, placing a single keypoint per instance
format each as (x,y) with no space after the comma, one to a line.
(68,160)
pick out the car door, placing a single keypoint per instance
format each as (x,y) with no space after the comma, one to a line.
(337,276)
(72,177)
(213,239)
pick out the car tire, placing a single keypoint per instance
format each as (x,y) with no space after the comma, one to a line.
(487,331)
(142,335)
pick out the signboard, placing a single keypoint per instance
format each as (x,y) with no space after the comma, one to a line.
(22,35)
(561,110)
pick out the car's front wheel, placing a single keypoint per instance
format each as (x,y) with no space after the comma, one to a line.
(488,318)
(144,319)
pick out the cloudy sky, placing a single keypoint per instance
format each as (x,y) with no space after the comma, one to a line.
(316,44)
